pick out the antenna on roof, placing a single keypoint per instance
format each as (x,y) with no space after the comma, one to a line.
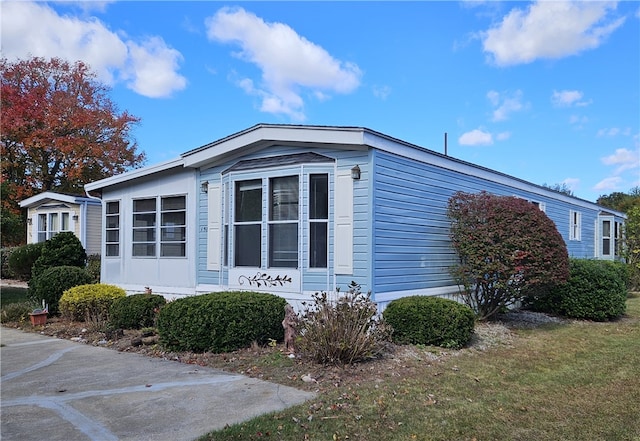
(445,144)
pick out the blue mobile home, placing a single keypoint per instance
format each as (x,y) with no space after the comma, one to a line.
(294,210)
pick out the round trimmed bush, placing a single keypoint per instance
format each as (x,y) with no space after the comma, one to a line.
(52,282)
(90,303)
(136,312)
(596,290)
(63,249)
(221,322)
(23,258)
(430,321)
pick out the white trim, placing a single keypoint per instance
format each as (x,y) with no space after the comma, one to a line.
(214,227)
(52,196)
(438,291)
(134,174)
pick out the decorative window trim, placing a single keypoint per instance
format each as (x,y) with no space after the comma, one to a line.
(575,225)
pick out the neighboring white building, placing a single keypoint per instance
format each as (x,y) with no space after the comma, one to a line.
(50,213)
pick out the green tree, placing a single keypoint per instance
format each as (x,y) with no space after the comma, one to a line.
(560,188)
(507,248)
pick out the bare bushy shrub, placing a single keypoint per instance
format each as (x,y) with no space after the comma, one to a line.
(342,330)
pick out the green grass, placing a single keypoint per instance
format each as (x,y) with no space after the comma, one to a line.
(576,381)
(10,294)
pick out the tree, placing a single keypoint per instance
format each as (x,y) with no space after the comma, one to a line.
(59,129)
(507,248)
(621,201)
(560,188)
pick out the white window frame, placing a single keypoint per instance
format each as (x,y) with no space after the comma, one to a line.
(158,228)
(110,244)
(575,225)
(47,233)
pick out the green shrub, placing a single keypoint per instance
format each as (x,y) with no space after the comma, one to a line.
(16,312)
(221,322)
(596,290)
(5,271)
(52,282)
(343,330)
(90,303)
(430,321)
(136,312)
(22,259)
(93,267)
(63,249)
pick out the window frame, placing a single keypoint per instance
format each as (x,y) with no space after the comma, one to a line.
(575,225)
(42,235)
(314,220)
(114,215)
(157,228)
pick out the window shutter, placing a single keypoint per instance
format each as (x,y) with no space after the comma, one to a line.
(343,223)
(214,232)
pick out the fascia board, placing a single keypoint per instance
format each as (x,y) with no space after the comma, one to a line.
(134,174)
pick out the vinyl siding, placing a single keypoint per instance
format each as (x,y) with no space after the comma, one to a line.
(93,225)
(411,246)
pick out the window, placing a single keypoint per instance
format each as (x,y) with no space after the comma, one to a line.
(248,223)
(112,229)
(618,238)
(172,232)
(318,220)
(283,222)
(50,224)
(606,238)
(144,228)
(575,225)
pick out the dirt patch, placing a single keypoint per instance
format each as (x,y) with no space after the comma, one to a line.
(273,363)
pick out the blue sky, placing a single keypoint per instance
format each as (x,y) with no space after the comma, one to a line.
(545,91)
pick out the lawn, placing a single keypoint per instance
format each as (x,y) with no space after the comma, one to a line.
(572,381)
(10,294)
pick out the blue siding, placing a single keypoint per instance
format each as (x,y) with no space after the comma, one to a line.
(411,245)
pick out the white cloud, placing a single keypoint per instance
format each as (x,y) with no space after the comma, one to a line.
(476,137)
(503,136)
(615,131)
(608,184)
(109,54)
(551,30)
(506,104)
(287,60)
(625,160)
(568,98)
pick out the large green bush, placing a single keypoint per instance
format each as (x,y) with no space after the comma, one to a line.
(52,282)
(596,290)
(507,247)
(136,311)
(22,259)
(63,249)
(221,322)
(430,321)
(342,330)
(90,303)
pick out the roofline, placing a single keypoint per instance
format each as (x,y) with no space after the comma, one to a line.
(71,199)
(134,174)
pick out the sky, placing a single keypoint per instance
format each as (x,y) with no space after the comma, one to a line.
(546,91)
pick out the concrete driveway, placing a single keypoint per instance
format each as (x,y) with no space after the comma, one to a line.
(60,390)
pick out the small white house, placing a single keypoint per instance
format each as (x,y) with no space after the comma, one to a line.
(50,213)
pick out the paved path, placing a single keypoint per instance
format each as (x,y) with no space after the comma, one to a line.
(56,389)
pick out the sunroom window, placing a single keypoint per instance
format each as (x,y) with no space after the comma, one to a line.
(170,237)
(318,220)
(112,229)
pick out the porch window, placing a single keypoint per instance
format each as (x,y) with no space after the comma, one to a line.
(112,229)
(144,227)
(173,230)
(575,225)
(283,222)
(248,223)
(318,220)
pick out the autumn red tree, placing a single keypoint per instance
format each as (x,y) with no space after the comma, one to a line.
(508,249)
(59,129)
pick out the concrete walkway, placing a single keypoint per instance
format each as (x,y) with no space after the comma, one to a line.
(56,389)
